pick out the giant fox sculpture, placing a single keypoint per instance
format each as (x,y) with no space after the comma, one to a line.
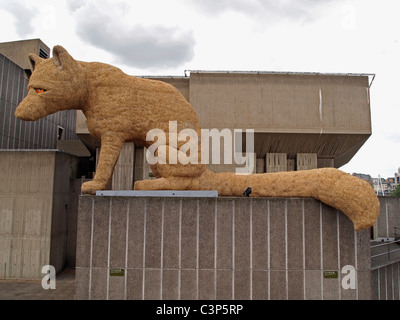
(120,108)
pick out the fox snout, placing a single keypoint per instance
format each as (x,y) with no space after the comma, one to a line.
(30,109)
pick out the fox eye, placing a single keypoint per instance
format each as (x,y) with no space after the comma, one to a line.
(40,90)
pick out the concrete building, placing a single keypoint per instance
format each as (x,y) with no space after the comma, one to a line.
(17,52)
(38,206)
(301,120)
(39,183)
(366,177)
(397,176)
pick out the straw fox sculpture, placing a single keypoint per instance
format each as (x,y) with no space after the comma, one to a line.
(120,108)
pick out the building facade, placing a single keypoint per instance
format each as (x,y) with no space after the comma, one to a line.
(14,76)
(300,120)
(38,189)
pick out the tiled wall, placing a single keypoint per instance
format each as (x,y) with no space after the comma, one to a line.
(217,248)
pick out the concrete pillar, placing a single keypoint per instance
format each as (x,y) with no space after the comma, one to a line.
(122,178)
(260,166)
(326,163)
(291,165)
(276,162)
(306,161)
(142,167)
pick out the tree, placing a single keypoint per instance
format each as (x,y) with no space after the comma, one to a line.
(396,192)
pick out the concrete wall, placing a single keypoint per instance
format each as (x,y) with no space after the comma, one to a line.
(216,248)
(388,218)
(73,206)
(282,102)
(291,113)
(18,134)
(180,83)
(34,199)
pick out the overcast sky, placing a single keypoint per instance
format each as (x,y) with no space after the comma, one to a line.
(156,37)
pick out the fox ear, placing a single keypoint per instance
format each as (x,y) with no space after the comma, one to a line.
(34,60)
(61,58)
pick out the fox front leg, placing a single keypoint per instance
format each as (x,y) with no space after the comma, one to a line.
(109,154)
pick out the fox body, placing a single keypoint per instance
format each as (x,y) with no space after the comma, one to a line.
(121,108)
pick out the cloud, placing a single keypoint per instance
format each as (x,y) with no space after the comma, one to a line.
(74,5)
(22,15)
(392,137)
(300,10)
(139,46)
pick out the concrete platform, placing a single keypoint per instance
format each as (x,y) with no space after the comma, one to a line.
(32,289)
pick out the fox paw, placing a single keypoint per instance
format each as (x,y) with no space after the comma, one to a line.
(91,187)
(147,184)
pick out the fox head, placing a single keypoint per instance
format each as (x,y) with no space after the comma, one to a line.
(55,84)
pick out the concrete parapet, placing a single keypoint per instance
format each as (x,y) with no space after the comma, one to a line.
(217,248)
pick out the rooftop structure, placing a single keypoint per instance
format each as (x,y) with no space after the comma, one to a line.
(324,115)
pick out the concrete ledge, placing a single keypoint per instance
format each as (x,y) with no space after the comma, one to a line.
(160,193)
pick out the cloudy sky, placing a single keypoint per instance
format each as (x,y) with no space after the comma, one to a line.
(156,37)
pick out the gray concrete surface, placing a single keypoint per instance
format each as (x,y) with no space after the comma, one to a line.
(32,289)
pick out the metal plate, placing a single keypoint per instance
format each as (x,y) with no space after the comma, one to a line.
(160,193)
(331,274)
(117,272)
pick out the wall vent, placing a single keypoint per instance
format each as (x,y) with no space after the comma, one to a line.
(42,53)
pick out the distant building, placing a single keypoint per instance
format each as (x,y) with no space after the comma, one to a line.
(366,177)
(382,186)
(385,187)
(397,176)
